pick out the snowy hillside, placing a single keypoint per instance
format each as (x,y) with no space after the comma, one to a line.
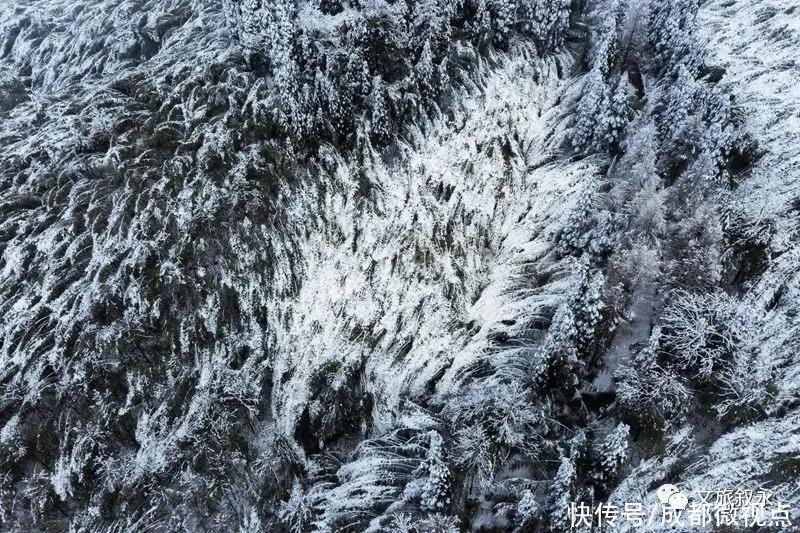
(372,265)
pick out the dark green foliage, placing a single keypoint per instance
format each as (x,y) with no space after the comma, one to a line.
(324,77)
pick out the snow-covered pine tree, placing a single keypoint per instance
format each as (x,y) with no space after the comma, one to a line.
(504,14)
(594,122)
(432,22)
(295,115)
(620,112)
(268,27)
(379,116)
(233,11)
(676,116)
(564,489)
(560,345)
(357,77)
(296,512)
(474,454)
(491,420)
(557,354)
(563,493)
(670,30)
(587,308)
(251,25)
(604,109)
(482,22)
(575,237)
(425,73)
(589,128)
(528,512)
(436,492)
(613,451)
(546,21)
(724,138)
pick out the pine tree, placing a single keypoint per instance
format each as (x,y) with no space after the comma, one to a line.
(432,22)
(379,117)
(296,512)
(269,28)
(557,357)
(587,308)
(671,25)
(232,11)
(603,112)
(676,120)
(474,453)
(425,73)
(546,21)
(251,26)
(589,129)
(619,113)
(528,512)
(279,30)
(613,451)
(503,19)
(294,114)
(357,76)
(574,236)
(437,489)
(563,492)
(482,22)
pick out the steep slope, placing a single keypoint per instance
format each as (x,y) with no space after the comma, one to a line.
(443,242)
(756,44)
(344,265)
(167,222)
(446,267)
(752,46)
(128,197)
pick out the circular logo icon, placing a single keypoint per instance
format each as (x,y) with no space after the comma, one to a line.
(670,496)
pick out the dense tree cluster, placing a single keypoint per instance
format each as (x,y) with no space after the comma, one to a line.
(342,70)
(377,265)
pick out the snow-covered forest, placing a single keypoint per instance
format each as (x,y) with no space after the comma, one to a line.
(394,265)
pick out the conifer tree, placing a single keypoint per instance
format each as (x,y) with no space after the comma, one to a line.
(528,512)
(379,116)
(563,492)
(613,451)
(619,113)
(436,492)
(671,35)
(425,73)
(546,21)
(589,130)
